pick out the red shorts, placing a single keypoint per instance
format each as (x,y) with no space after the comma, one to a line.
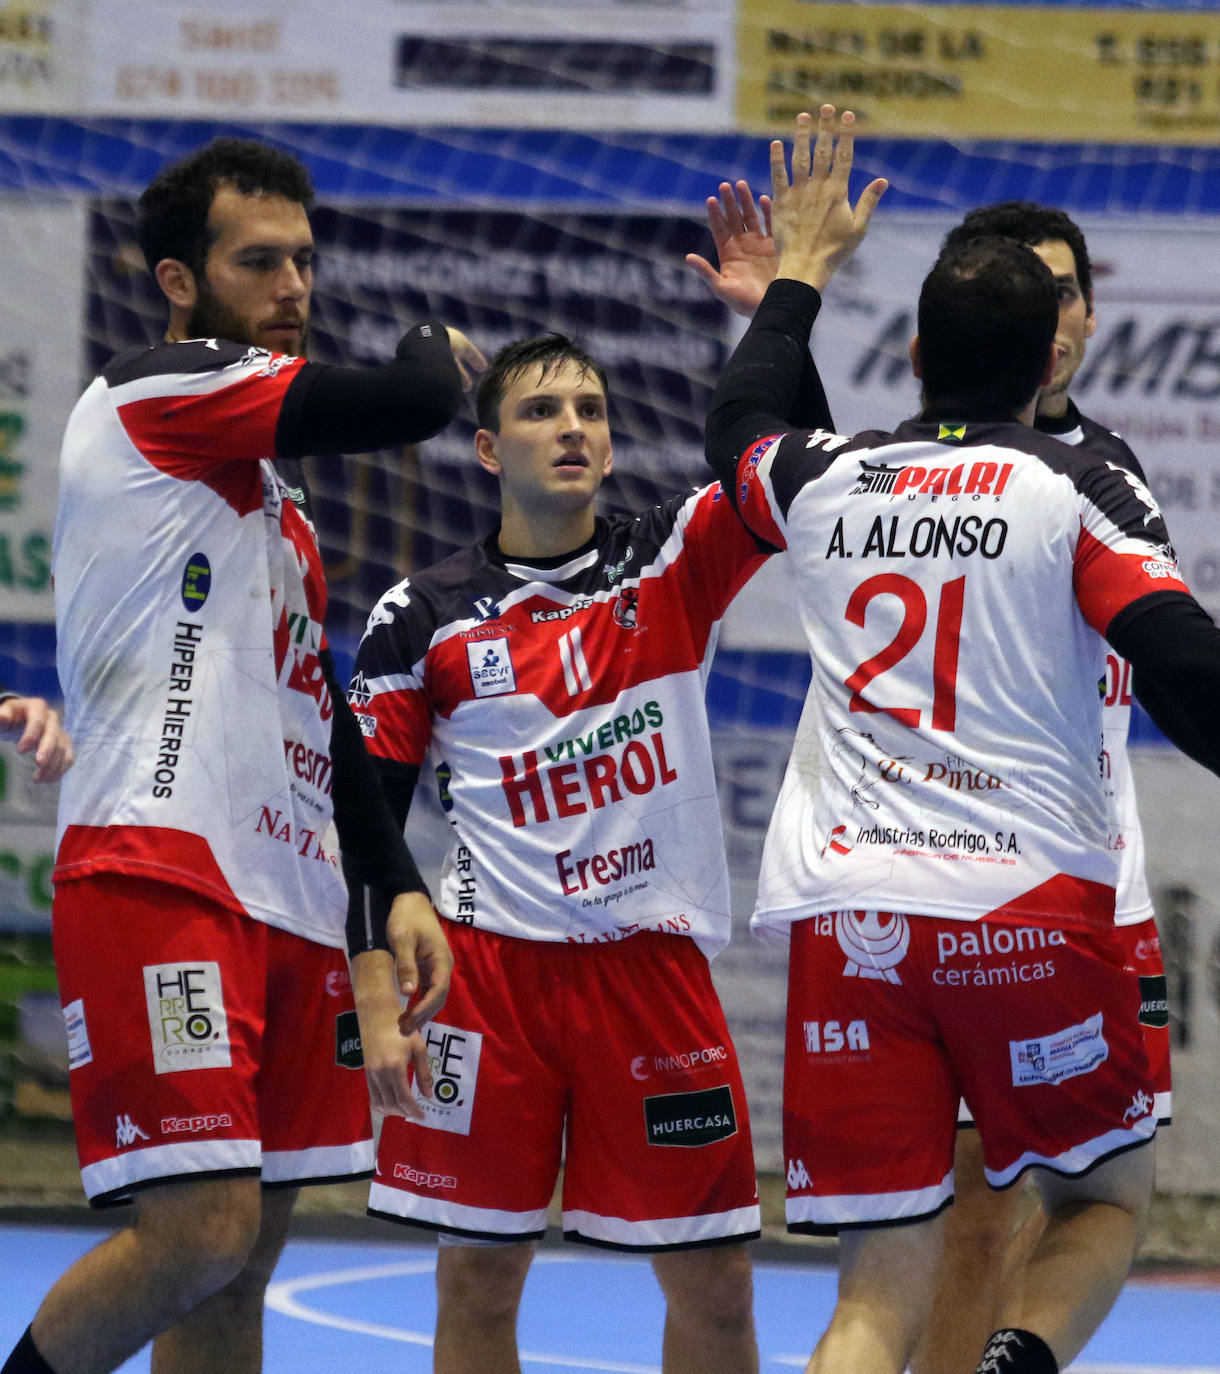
(201,1042)
(1142,950)
(892,1019)
(615,1054)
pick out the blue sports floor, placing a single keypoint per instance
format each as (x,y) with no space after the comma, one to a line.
(348,1305)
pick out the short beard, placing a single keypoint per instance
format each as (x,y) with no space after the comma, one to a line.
(212,319)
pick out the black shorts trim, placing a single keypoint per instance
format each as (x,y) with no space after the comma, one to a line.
(509,1238)
(818,1228)
(578,1239)
(121,1197)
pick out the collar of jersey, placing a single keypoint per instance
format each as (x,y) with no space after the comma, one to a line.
(552,568)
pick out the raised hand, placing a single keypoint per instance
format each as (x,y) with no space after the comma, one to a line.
(816,228)
(745,249)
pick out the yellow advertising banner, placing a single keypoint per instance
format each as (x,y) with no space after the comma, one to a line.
(985,71)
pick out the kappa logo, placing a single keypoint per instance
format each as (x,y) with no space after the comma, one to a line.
(126,1132)
(1141,1105)
(874,942)
(798,1176)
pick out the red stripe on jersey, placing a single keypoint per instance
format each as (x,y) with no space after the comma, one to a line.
(1061,899)
(752,495)
(1106,581)
(397,725)
(217,437)
(149,851)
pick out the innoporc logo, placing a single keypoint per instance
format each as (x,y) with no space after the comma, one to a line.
(874,942)
(12,427)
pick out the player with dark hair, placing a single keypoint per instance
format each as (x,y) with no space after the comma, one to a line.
(37,729)
(199,905)
(981,1255)
(959,580)
(554,676)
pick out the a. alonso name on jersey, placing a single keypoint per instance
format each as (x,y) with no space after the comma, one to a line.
(927,537)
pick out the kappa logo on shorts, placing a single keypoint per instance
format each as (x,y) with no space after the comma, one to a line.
(1065,1054)
(491,667)
(80,1052)
(1141,1105)
(126,1132)
(349,1053)
(453,1055)
(874,942)
(186,1016)
(690,1119)
(798,1176)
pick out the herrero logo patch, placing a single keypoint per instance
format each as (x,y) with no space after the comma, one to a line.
(186,1016)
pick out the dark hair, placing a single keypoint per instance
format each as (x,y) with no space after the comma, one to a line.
(547,352)
(1026,222)
(988,311)
(173,211)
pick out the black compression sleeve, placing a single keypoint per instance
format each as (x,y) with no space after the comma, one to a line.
(331,410)
(377,864)
(1173,647)
(770,383)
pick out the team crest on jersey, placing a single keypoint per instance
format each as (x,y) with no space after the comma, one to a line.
(486,608)
(626,608)
(874,942)
(491,667)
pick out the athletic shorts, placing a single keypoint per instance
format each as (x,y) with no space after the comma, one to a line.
(201,1042)
(616,1056)
(1142,958)
(1142,951)
(892,1019)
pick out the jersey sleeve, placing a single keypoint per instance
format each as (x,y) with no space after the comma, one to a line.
(773,470)
(720,553)
(188,406)
(1123,552)
(389,691)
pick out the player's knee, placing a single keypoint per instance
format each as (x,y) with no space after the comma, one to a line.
(482,1282)
(716,1286)
(203,1240)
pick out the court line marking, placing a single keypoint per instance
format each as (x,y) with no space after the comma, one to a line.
(282,1298)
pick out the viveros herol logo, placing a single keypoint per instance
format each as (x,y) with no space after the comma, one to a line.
(196,581)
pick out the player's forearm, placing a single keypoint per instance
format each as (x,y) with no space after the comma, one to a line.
(770,383)
(331,410)
(1173,647)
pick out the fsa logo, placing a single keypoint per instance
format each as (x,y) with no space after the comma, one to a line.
(829,1037)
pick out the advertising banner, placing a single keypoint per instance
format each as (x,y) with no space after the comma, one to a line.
(984,71)
(39,384)
(611,64)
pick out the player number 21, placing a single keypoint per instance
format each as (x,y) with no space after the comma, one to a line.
(914,622)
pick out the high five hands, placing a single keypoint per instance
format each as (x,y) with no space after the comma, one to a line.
(808,227)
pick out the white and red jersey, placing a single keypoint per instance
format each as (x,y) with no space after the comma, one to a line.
(955,581)
(1133,901)
(189,600)
(562,706)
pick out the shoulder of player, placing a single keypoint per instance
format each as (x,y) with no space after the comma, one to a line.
(190,357)
(445,591)
(1106,444)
